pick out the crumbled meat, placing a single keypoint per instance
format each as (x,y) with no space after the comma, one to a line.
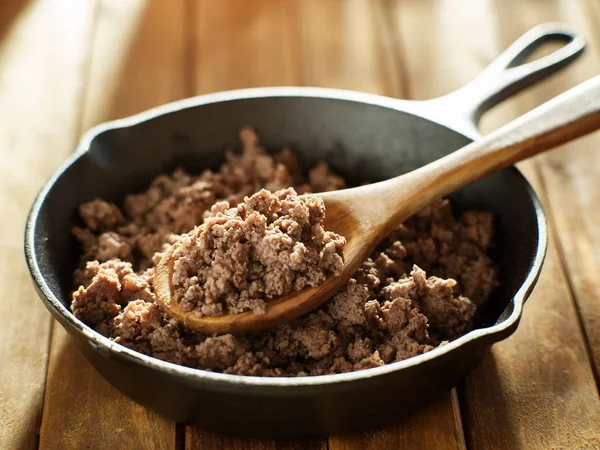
(451,315)
(220,352)
(420,288)
(322,179)
(347,307)
(112,246)
(267,246)
(99,215)
(108,287)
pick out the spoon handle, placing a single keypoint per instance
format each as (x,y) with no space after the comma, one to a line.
(562,119)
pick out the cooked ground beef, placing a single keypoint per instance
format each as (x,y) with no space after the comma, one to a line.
(389,311)
(267,246)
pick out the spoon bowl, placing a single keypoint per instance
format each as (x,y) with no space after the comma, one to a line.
(280,309)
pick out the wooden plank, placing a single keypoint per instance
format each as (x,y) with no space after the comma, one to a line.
(437,53)
(137,63)
(242,44)
(43,57)
(438,426)
(536,389)
(565,178)
(571,176)
(82,410)
(138,60)
(345,45)
(198,439)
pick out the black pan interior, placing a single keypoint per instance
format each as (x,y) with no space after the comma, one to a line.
(363,142)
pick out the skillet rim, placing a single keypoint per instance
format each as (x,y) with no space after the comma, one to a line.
(226,382)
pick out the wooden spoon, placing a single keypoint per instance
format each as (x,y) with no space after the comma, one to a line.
(367,214)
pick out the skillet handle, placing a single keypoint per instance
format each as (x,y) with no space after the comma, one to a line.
(505,76)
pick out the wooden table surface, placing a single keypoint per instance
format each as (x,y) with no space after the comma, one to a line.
(66,65)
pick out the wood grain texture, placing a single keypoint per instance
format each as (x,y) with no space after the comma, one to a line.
(571,175)
(43,58)
(536,389)
(242,44)
(345,45)
(138,59)
(82,410)
(438,426)
(197,439)
(137,63)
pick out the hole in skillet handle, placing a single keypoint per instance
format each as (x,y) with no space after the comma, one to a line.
(504,77)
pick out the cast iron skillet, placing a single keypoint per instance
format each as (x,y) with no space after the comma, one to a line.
(363,137)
